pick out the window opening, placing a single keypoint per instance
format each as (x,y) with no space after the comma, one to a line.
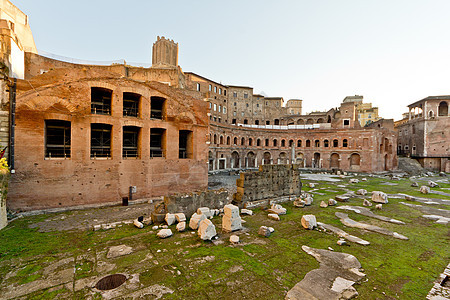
(100,140)
(101,101)
(157,142)
(57,138)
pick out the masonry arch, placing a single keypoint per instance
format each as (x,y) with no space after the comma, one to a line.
(282,158)
(221,140)
(319,121)
(308,143)
(443,109)
(258,142)
(355,161)
(215,139)
(235,141)
(242,141)
(299,143)
(250,142)
(329,119)
(291,143)
(283,143)
(300,122)
(310,121)
(228,140)
(334,160)
(267,158)
(251,163)
(326,143)
(235,163)
(317,143)
(317,163)
(300,158)
(290,122)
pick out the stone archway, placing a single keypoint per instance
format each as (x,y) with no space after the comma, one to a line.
(266,158)
(300,159)
(386,162)
(235,163)
(316,163)
(355,161)
(282,158)
(334,161)
(251,163)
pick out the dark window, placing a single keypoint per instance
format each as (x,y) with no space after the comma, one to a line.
(101,101)
(57,138)
(250,142)
(267,143)
(101,140)
(308,143)
(276,122)
(283,143)
(185,144)
(235,141)
(267,122)
(234,95)
(344,143)
(346,122)
(225,93)
(233,121)
(291,143)
(157,108)
(157,142)
(130,141)
(131,104)
(317,143)
(325,143)
(335,143)
(198,87)
(258,142)
(275,143)
(245,95)
(256,122)
(242,141)
(299,143)
(245,121)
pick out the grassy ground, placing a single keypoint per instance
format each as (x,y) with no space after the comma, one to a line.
(257,268)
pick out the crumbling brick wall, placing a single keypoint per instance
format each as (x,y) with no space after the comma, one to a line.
(270,182)
(188,203)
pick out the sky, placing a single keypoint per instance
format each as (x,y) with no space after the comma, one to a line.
(392,52)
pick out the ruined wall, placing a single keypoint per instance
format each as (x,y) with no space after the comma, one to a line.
(270,182)
(42,182)
(188,203)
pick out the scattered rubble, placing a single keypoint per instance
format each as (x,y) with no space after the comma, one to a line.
(264,231)
(342,198)
(120,250)
(332,202)
(245,211)
(164,233)
(343,234)
(424,189)
(274,217)
(195,220)
(234,239)
(231,219)
(277,209)
(206,230)
(379,197)
(138,224)
(181,226)
(323,204)
(368,213)
(309,221)
(170,219)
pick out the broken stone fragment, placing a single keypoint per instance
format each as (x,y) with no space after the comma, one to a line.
(205,211)
(170,219)
(364,179)
(147,221)
(299,202)
(231,210)
(234,239)
(353,180)
(361,192)
(414,184)
(367,203)
(180,217)
(138,224)
(245,211)
(323,204)
(274,217)
(206,230)
(231,219)
(379,197)
(342,198)
(308,200)
(332,202)
(432,184)
(379,206)
(164,233)
(195,220)
(424,189)
(277,209)
(117,251)
(312,185)
(155,227)
(341,242)
(264,231)
(181,226)
(309,221)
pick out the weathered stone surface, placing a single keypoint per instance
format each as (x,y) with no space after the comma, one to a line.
(189,203)
(364,179)
(206,230)
(379,197)
(117,251)
(424,189)
(352,223)
(308,200)
(195,220)
(299,203)
(245,211)
(332,281)
(323,204)
(205,211)
(164,233)
(341,242)
(332,202)
(274,217)
(234,239)
(170,219)
(414,184)
(343,234)
(277,209)
(312,185)
(368,213)
(361,192)
(342,198)
(155,227)
(367,203)
(181,226)
(231,219)
(231,210)
(379,206)
(138,224)
(438,219)
(432,184)
(264,231)
(180,217)
(309,221)
(353,180)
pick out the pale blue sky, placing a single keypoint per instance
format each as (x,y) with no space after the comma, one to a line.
(393,52)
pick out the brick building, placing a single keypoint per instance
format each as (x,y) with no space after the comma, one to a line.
(424,133)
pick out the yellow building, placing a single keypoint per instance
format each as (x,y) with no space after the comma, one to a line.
(366,113)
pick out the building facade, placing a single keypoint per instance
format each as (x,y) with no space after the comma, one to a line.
(425,132)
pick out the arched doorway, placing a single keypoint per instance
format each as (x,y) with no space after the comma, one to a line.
(386,167)
(300,122)
(251,160)
(300,159)
(210,161)
(282,159)
(266,158)
(355,161)
(334,161)
(316,162)
(443,109)
(235,164)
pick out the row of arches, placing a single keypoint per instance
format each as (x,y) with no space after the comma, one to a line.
(221,140)
(251,159)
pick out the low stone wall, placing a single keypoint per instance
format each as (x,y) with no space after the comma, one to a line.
(188,203)
(274,183)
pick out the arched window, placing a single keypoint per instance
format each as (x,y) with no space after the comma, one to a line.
(443,109)
(258,142)
(277,122)
(228,140)
(325,143)
(300,122)
(243,141)
(291,143)
(215,139)
(344,143)
(275,142)
(310,121)
(283,143)
(235,141)
(250,142)
(299,143)
(267,143)
(319,120)
(317,143)
(221,140)
(335,143)
(308,143)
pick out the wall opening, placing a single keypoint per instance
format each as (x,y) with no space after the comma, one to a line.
(157,108)
(130,147)
(131,103)
(57,138)
(101,140)
(101,101)
(185,144)
(443,109)
(157,142)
